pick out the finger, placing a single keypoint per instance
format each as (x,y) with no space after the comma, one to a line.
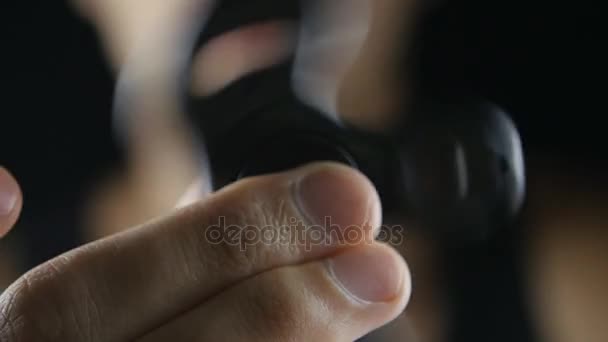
(121,287)
(331,36)
(240,52)
(374,91)
(340,299)
(122,24)
(10,201)
(350,57)
(165,156)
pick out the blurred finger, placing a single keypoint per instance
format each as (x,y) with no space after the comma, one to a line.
(165,154)
(331,36)
(10,201)
(240,52)
(350,58)
(374,91)
(195,193)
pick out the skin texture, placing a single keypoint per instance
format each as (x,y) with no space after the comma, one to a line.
(115,289)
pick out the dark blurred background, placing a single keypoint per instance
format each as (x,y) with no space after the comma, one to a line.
(56,119)
(540,60)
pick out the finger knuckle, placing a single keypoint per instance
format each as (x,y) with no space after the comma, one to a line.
(34,308)
(228,252)
(26,310)
(241,223)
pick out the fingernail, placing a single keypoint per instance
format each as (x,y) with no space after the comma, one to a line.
(338,195)
(368,274)
(9,193)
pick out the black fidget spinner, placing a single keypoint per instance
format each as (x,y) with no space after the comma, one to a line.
(455,165)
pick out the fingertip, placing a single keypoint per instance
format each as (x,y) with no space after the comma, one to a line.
(335,194)
(10,201)
(372,274)
(375,284)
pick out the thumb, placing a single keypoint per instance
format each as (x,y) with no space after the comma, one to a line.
(10,201)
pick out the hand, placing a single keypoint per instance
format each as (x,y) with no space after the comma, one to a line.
(168,280)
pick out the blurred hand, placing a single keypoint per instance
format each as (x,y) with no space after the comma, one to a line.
(171,279)
(345,64)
